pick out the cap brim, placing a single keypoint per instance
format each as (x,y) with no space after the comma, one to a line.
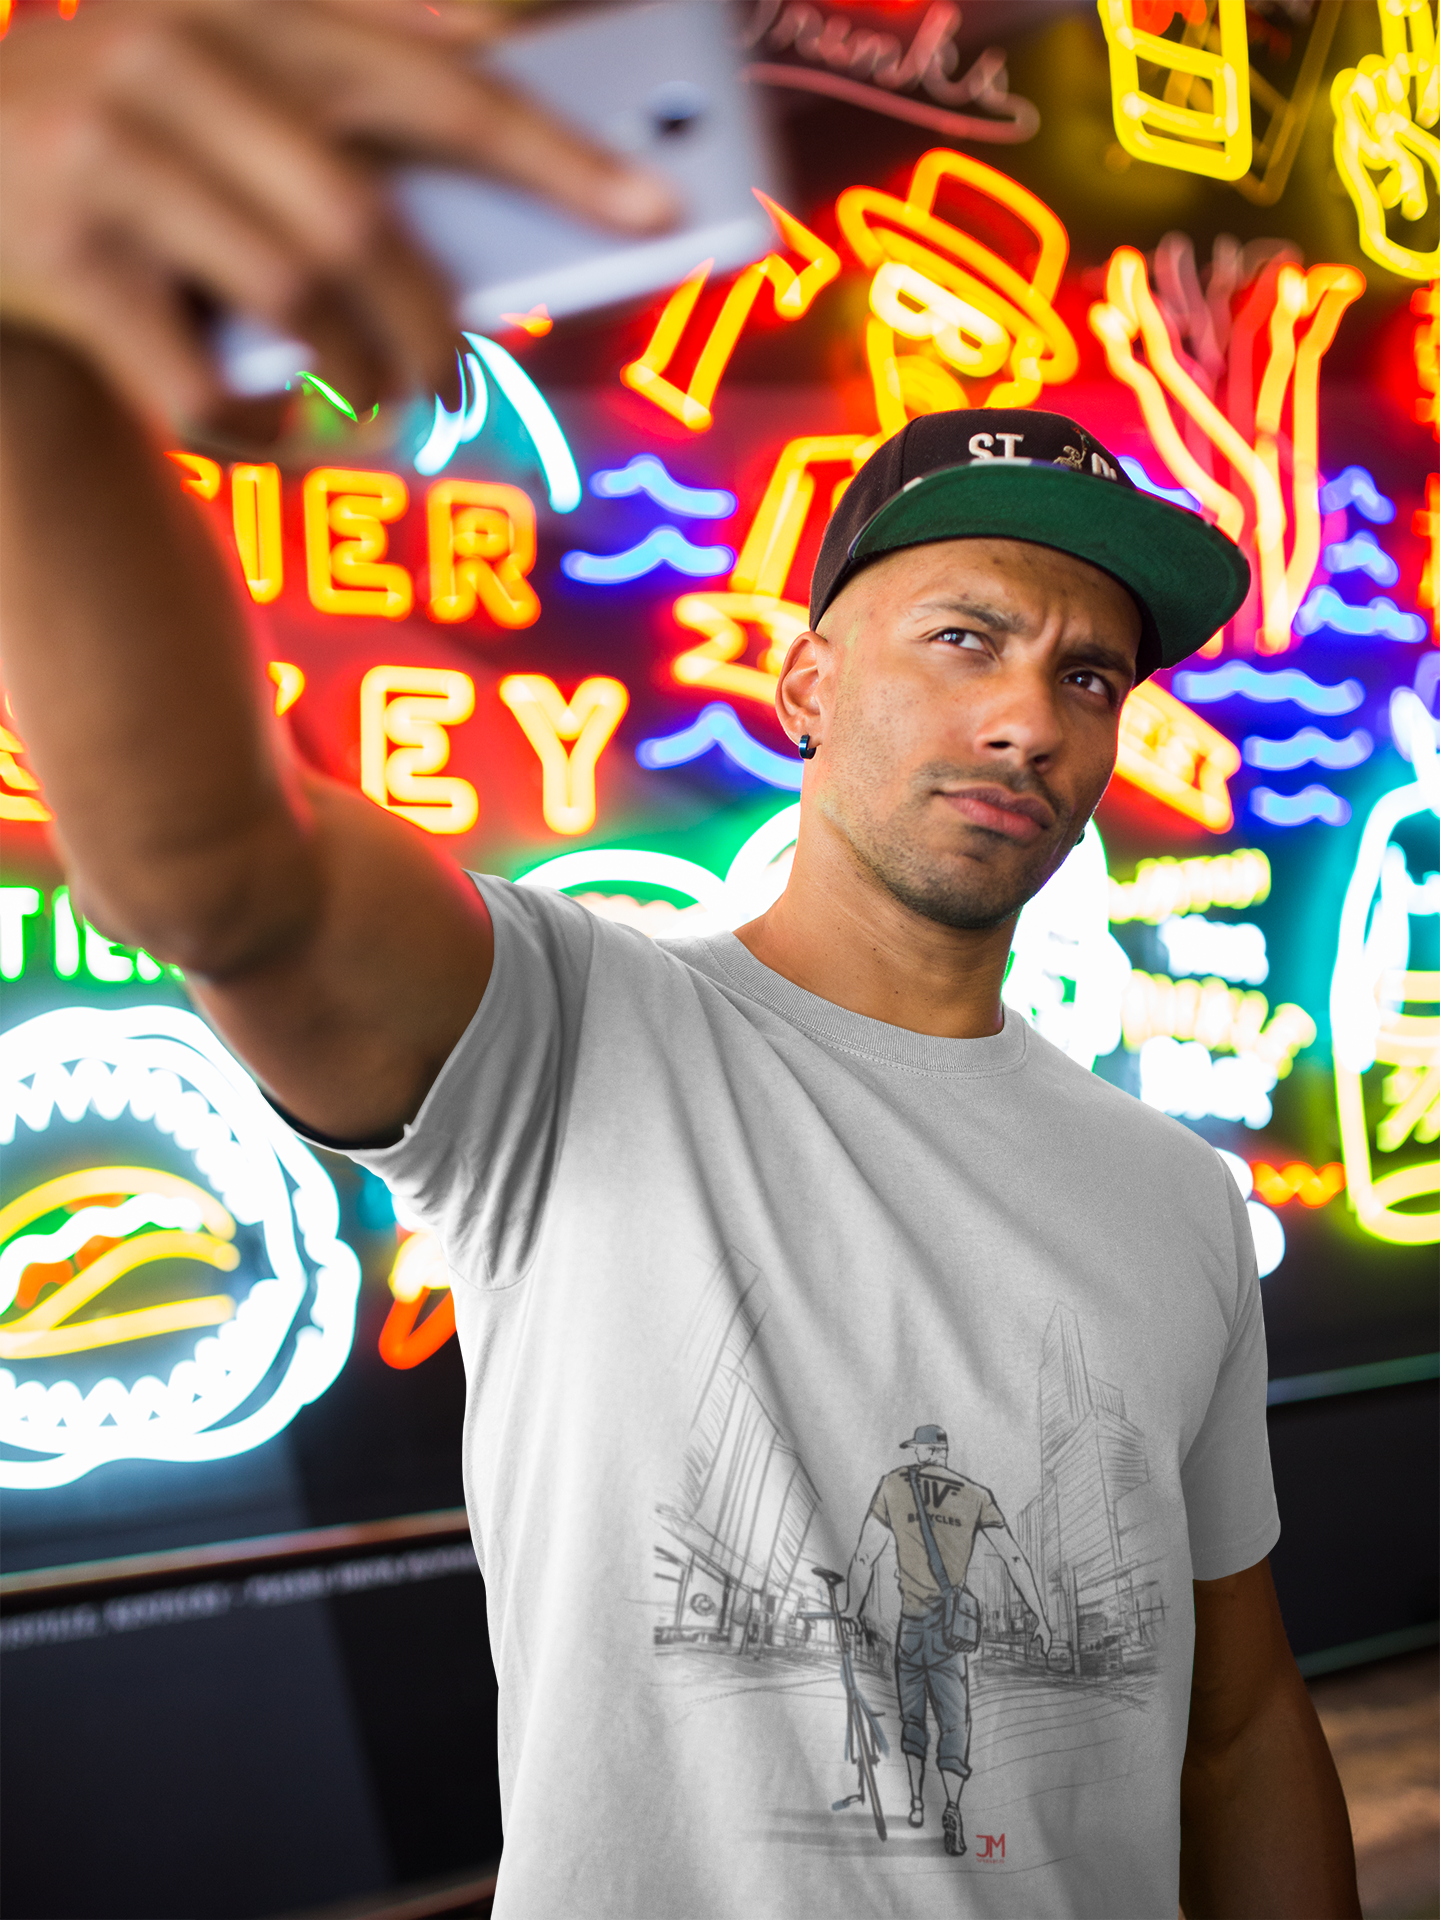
(1186,576)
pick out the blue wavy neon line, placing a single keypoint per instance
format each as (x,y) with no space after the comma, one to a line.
(718,725)
(648,474)
(1377,619)
(1177,496)
(1299,809)
(562,477)
(662,546)
(1355,487)
(1283,756)
(1237,679)
(1362,554)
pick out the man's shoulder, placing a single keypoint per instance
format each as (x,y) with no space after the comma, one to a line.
(1116,1124)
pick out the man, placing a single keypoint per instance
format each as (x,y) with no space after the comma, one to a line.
(829,1110)
(940,1524)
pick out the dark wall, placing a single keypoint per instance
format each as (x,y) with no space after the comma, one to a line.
(1358,1481)
(261,1761)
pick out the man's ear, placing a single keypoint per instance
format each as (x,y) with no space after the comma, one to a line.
(798,695)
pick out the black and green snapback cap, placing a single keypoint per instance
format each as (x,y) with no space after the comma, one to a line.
(1014,474)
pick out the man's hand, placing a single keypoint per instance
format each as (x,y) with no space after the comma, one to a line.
(151,150)
(1044,1635)
(1264,1833)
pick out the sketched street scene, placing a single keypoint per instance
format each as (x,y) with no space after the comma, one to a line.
(740,1618)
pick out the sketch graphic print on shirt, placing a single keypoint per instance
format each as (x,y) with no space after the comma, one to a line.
(1024,1649)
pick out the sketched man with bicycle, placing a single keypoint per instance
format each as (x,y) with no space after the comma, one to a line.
(934,1515)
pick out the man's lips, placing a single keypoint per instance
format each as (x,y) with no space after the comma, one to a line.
(1019,816)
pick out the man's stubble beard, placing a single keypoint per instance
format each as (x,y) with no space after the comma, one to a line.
(951,890)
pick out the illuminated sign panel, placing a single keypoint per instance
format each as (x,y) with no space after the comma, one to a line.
(182,1292)
(546,627)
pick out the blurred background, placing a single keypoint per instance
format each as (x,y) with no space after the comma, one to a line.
(245,1666)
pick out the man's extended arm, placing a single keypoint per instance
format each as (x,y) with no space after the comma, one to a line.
(1264,1833)
(868,1549)
(1018,1567)
(146,151)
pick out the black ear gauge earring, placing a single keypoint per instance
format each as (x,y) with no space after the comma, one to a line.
(805,750)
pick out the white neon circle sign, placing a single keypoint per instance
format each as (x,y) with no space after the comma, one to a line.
(253,1205)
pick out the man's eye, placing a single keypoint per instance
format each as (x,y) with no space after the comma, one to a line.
(1092,682)
(960,637)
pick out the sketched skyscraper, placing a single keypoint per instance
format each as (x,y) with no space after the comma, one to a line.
(1085,1531)
(745,1501)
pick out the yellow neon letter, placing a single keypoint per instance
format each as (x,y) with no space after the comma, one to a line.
(483,551)
(353,575)
(1214,141)
(547,720)
(255,509)
(202,476)
(289,684)
(403,745)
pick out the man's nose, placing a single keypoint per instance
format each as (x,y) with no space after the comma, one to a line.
(1021,716)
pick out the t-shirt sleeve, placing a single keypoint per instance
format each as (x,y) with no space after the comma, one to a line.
(1229,1493)
(880,1505)
(990,1514)
(476,1164)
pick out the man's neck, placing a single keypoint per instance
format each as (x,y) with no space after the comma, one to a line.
(840,934)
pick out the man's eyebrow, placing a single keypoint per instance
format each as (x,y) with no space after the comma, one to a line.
(978,612)
(1095,653)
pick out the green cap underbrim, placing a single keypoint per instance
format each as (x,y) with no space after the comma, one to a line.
(1187,578)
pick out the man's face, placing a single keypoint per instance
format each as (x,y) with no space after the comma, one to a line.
(970,695)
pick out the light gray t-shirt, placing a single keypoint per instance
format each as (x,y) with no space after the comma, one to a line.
(719,1247)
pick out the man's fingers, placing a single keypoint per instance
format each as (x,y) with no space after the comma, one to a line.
(396,91)
(500,130)
(258,147)
(158,197)
(129,323)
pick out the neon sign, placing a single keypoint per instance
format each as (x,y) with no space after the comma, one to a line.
(252,1207)
(404,713)
(410,1335)
(1174,754)
(663,546)
(718,725)
(1299,809)
(1130,316)
(1376,132)
(1167,886)
(792,293)
(548,721)
(19,789)
(1384,1014)
(75,946)
(1233,951)
(1214,140)
(1237,680)
(935,282)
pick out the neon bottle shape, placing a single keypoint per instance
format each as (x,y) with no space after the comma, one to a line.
(1385,1015)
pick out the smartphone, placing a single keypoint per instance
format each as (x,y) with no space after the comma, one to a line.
(660,82)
